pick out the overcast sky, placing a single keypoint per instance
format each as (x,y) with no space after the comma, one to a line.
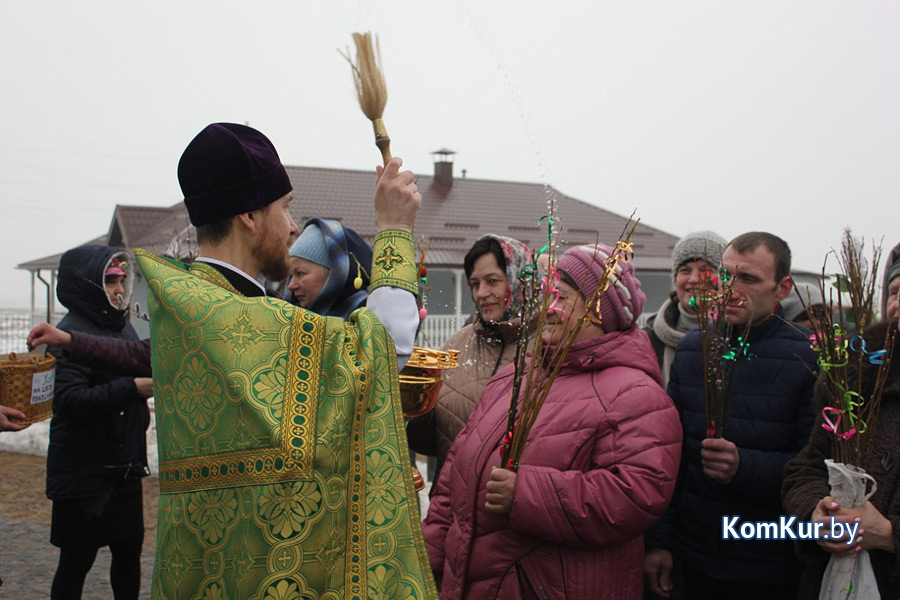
(732,116)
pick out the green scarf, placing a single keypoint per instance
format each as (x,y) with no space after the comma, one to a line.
(284,471)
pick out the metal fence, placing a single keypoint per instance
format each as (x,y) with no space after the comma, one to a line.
(14,328)
(15,325)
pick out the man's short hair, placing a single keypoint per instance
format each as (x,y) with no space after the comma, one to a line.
(213,234)
(748,242)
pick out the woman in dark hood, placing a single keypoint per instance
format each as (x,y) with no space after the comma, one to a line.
(98,451)
(326,260)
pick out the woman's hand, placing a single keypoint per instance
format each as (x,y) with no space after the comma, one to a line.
(501,491)
(825,509)
(875,531)
(878,529)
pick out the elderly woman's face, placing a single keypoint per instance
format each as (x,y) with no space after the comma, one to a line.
(489,286)
(562,317)
(893,303)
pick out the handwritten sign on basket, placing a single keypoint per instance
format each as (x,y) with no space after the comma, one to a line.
(42,386)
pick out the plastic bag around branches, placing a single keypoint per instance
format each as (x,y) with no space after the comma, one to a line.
(849,577)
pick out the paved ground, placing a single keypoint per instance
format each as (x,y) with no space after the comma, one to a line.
(27,559)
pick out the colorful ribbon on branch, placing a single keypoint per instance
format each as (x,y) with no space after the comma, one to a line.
(512,465)
(548,286)
(851,400)
(710,294)
(708,278)
(423,283)
(833,426)
(840,350)
(623,251)
(742,349)
(546,245)
(531,269)
(858,344)
(814,342)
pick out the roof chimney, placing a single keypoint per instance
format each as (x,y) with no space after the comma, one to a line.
(443,168)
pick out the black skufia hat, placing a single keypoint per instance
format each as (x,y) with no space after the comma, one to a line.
(229,169)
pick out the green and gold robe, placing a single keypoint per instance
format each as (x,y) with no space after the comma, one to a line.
(284,469)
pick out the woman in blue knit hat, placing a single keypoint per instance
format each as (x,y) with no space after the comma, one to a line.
(330,267)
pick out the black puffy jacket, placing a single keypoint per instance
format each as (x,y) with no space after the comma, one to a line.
(769,416)
(98,431)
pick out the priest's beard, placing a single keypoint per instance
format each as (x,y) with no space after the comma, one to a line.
(271,255)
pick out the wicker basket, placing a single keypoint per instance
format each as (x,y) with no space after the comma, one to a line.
(26,384)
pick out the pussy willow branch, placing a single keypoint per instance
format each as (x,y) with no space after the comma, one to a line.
(858,281)
(542,371)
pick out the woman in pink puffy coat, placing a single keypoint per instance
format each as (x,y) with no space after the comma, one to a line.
(598,469)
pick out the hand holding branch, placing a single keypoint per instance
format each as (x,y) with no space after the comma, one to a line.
(876,532)
(720,460)
(501,491)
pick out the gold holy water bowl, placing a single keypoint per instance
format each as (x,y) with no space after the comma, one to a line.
(420,381)
(422,377)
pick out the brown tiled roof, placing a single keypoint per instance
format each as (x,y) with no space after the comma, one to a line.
(131,223)
(173,224)
(452,219)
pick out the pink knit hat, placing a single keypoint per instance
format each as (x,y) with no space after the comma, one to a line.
(622,303)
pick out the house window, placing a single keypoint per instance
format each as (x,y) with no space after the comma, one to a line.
(441,290)
(656,287)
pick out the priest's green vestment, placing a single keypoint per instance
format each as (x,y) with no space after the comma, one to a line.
(283,465)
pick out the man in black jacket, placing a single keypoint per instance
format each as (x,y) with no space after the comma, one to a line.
(768,418)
